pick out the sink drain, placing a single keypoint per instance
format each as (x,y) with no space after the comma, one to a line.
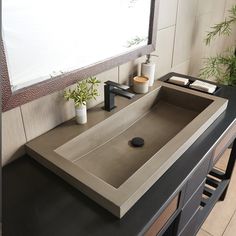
(137,142)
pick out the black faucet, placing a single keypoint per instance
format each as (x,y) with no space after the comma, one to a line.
(110,90)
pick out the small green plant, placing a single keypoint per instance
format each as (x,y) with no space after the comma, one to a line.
(223,66)
(84,91)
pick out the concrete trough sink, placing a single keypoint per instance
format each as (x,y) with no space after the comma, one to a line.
(99,159)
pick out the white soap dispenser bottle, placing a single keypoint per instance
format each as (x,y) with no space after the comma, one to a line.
(148,69)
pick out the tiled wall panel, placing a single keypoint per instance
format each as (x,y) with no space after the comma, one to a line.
(13,135)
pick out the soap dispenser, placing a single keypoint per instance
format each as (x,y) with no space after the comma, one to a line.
(148,69)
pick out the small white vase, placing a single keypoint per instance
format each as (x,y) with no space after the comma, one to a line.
(81,114)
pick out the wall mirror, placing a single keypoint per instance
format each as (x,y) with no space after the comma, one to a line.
(48,45)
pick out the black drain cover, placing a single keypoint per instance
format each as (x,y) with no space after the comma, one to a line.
(137,142)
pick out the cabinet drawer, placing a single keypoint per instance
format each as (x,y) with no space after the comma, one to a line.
(197,178)
(164,217)
(225,141)
(192,226)
(191,206)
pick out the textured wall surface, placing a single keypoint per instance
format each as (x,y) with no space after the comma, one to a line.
(182,26)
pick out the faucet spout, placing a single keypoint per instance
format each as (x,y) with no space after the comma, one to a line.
(123,93)
(110,90)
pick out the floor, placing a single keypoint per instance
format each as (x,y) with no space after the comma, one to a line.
(222,220)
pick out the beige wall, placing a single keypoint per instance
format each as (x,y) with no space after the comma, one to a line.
(181,29)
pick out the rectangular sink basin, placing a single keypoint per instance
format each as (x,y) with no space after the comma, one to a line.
(99,159)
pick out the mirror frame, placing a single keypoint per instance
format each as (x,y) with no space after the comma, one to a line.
(14,99)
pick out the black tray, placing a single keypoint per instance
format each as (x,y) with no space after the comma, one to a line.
(218,88)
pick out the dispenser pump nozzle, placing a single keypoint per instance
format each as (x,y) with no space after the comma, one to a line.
(148,57)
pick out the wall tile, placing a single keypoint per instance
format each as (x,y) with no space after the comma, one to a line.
(45,113)
(184,30)
(205,6)
(228,5)
(165,41)
(199,49)
(130,69)
(103,77)
(203,25)
(218,11)
(13,135)
(167,13)
(229,41)
(182,68)
(217,45)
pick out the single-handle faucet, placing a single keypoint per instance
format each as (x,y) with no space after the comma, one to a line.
(110,90)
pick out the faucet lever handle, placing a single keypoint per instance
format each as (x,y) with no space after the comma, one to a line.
(116,85)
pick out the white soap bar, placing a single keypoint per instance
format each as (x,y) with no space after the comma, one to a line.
(203,86)
(179,80)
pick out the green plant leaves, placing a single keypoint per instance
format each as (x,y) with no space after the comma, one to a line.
(223,66)
(223,28)
(84,91)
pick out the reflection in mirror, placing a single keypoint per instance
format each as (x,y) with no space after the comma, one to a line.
(44,39)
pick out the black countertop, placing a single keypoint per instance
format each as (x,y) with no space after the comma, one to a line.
(38,203)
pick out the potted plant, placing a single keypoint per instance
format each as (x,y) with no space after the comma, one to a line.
(84,91)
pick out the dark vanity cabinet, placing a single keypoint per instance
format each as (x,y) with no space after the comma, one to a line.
(203,188)
(179,217)
(168,213)
(37,202)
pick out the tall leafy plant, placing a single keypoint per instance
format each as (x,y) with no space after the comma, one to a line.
(223,66)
